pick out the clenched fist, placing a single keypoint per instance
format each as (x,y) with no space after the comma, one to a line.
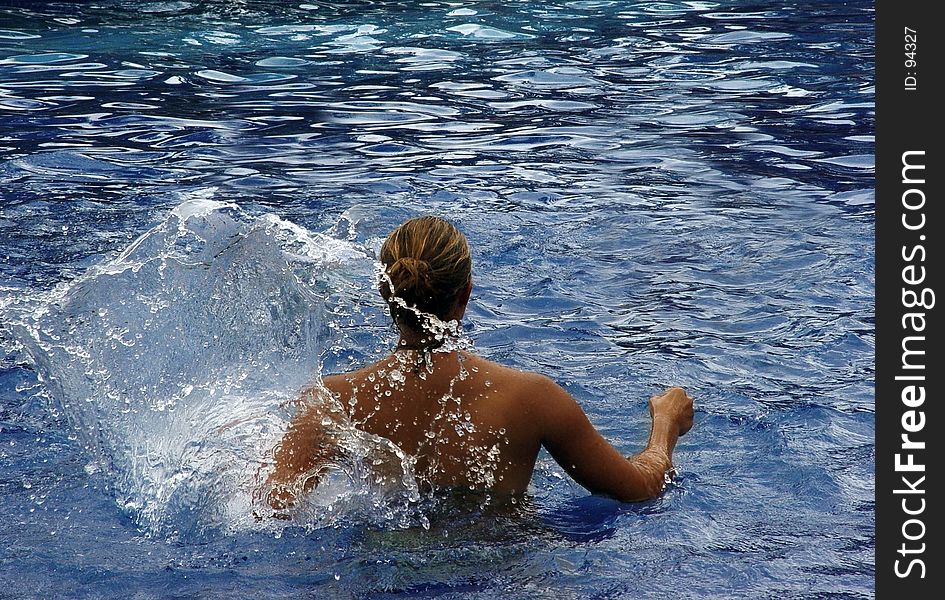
(675,406)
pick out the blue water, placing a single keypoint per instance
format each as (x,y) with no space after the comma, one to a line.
(656,193)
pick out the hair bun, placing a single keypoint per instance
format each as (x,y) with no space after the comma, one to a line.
(411,278)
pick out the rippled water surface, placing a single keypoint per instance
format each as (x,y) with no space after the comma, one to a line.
(657,193)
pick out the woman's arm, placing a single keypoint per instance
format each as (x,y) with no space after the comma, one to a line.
(308,445)
(594,463)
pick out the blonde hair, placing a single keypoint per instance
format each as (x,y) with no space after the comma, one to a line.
(427,265)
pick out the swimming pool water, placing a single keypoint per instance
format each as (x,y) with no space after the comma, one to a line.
(656,193)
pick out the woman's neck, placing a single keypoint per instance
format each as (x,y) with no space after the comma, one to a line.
(411,340)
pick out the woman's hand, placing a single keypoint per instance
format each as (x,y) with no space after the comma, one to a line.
(675,406)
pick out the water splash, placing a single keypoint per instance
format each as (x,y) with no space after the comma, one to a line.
(175,365)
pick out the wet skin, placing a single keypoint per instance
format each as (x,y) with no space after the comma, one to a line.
(472,423)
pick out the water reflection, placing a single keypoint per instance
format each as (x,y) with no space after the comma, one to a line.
(656,192)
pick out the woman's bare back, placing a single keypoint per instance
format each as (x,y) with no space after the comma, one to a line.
(462,418)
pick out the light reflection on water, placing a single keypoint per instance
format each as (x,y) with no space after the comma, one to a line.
(657,193)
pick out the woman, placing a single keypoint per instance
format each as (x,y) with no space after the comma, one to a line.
(468,422)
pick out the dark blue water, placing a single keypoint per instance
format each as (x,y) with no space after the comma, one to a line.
(657,193)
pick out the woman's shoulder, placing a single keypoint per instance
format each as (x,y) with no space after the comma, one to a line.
(337,382)
(531,402)
(529,382)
